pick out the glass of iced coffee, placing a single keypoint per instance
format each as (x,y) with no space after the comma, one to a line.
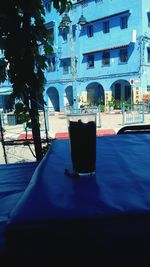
(82,135)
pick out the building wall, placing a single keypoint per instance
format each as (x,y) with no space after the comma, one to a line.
(5,92)
(101,79)
(145,68)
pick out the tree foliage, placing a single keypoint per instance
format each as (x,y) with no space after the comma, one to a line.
(22,34)
(61,5)
(22,31)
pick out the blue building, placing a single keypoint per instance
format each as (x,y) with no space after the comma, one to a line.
(5,100)
(106,55)
(5,92)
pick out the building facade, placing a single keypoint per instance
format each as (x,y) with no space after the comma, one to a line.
(107,56)
(5,92)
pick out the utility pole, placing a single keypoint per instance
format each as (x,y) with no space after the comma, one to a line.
(73,69)
(66,24)
(131,84)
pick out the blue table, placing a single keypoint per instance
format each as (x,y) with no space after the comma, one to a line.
(99,219)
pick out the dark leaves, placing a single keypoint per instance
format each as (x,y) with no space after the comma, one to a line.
(61,5)
(3,70)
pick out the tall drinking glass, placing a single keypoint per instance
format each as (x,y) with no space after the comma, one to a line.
(82,135)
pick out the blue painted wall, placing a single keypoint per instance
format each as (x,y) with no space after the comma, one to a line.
(5,92)
(100,78)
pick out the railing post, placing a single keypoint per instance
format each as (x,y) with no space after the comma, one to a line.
(123,110)
(99,117)
(2,140)
(142,112)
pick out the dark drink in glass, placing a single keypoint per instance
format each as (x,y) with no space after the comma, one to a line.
(82,133)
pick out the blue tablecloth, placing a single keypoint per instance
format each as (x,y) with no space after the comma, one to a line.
(121,184)
(110,208)
(14,178)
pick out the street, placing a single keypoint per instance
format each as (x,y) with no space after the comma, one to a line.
(57,124)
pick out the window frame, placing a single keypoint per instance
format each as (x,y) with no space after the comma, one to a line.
(90,31)
(148,55)
(127,90)
(117,90)
(123,56)
(51,33)
(148,88)
(51,61)
(148,19)
(92,60)
(64,33)
(106,26)
(124,22)
(106,60)
(84,3)
(48,6)
(74,32)
(65,64)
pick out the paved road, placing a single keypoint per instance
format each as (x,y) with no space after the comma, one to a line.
(58,123)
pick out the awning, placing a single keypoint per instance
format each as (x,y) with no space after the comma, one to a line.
(50,24)
(67,58)
(106,49)
(109,16)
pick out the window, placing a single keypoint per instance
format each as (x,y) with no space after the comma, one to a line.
(124,22)
(148,54)
(51,35)
(1,102)
(64,35)
(148,17)
(51,64)
(105,26)
(74,32)
(1,52)
(148,88)
(118,91)
(84,3)
(90,61)
(65,66)
(48,6)
(106,58)
(127,92)
(123,56)
(90,31)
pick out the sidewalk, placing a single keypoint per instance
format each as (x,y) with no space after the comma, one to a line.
(110,124)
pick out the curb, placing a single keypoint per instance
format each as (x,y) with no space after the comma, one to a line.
(104,132)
